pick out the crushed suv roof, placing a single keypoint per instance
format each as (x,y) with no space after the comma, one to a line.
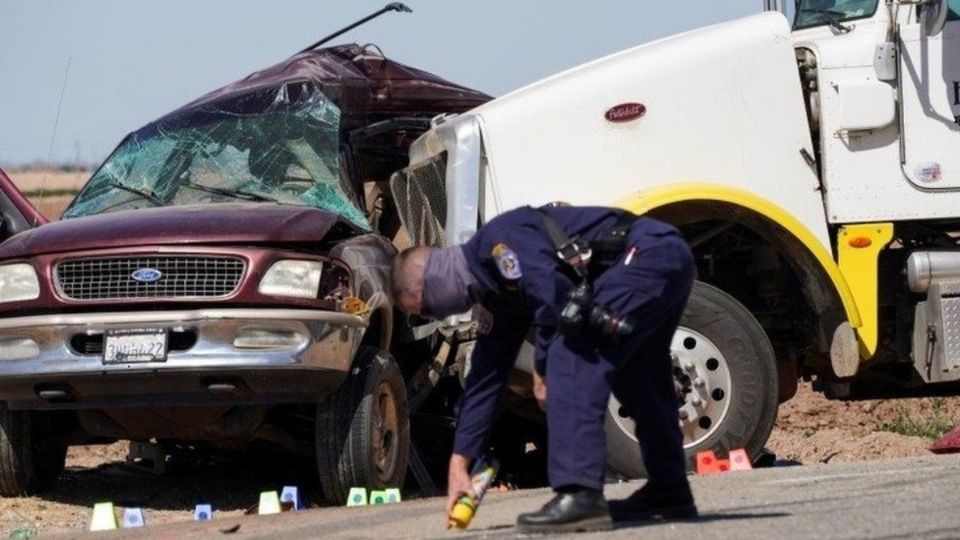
(364,84)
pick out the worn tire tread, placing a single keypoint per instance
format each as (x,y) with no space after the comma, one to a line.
(343,428)
(28,465)
(624,457)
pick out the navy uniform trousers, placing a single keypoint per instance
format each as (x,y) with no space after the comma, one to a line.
(653,288)
(650,281)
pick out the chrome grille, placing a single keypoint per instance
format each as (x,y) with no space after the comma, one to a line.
(181,276)
(420,195)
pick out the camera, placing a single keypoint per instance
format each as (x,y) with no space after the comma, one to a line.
(582,312)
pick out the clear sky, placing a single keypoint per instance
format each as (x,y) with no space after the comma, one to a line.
(133,60)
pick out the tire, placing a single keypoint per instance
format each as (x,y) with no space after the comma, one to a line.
(29,464)
(745,374)
(363,429)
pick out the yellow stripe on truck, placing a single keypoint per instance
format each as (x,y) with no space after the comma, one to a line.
(651,199)
(857,248)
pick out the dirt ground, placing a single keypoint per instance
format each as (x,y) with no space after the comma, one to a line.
(35,179)
(810,429)
(100,474)
(56,187)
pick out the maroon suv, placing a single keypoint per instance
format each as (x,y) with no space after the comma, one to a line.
(221,279)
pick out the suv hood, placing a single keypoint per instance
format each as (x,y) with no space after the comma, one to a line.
(225,223)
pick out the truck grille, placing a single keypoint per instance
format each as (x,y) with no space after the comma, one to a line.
(179,277)
(420,195)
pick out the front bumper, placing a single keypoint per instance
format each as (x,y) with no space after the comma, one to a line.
(208,366)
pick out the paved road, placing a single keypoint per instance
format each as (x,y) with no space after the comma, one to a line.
(906,498)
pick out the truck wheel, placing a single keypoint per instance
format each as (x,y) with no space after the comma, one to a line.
(363,429)
(29,464)
(725,374)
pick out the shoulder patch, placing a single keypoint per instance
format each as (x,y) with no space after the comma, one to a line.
(507,262)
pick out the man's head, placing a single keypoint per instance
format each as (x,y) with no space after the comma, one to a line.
(433,282)
(407,278)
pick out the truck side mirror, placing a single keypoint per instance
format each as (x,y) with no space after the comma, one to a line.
(933,16)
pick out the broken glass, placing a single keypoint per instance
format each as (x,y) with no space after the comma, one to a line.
(276,146)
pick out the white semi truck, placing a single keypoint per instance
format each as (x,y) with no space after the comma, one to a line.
(813,166)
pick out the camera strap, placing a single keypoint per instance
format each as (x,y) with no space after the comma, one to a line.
(578,254)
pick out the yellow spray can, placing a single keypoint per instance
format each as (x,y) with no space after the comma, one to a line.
(482,476)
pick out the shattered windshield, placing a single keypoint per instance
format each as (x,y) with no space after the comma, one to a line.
(279,145)
(820,12)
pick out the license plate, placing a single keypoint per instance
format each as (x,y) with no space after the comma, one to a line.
(135,346)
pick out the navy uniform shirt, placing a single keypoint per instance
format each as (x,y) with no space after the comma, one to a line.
(523,283)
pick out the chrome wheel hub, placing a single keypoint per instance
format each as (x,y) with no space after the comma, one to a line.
(703,385)
(385,431)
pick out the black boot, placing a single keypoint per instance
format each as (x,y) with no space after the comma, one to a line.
(651,502)
(576,511)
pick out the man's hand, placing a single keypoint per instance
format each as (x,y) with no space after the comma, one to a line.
(540,390)
(458,481)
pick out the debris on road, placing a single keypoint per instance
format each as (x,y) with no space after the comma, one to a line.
(948,444)
(25,528)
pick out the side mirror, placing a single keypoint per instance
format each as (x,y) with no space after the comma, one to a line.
(933,16)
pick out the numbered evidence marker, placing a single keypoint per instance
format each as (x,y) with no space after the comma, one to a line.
(357,497)
(269,503)
(104,518)
(203,512)
(378,497)
(132,518)
(393,495)
(290,499)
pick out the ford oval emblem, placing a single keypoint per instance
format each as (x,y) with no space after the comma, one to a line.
(147,275)
(625,112)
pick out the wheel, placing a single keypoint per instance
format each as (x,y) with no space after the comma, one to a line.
(363,429)
(725,374)
(29,462)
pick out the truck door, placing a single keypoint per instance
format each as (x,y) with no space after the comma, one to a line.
(930,80)
(16,213)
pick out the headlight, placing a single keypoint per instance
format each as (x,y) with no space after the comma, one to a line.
(300,279)
(18,282)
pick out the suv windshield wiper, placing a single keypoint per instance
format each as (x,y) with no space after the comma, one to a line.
(235,193)
(830,16)
(143,194)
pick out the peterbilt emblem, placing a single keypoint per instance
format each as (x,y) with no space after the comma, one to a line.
(147,275)
(625,112)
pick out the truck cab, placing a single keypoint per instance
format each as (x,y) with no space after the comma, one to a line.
(813,165)
(884,99)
